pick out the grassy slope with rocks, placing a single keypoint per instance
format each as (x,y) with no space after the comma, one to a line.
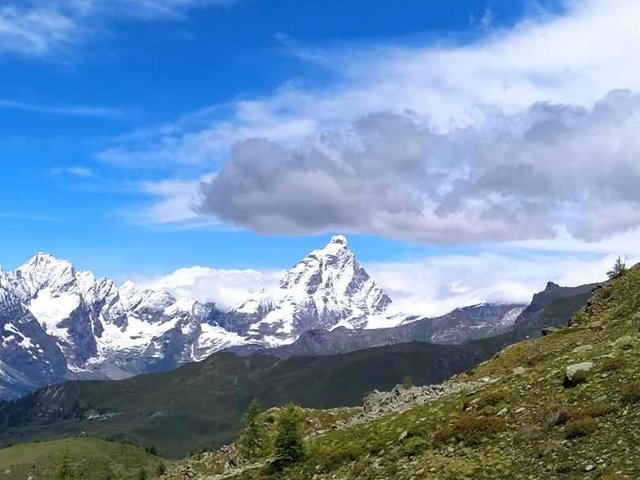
(524,420)
(88,458)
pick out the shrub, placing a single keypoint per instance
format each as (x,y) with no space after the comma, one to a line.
(470,429)
(558,416)
(491,399)
(594,411)
(414,446)
(161,469)
(580,428)
(546,448)
(630,393)
(613,364)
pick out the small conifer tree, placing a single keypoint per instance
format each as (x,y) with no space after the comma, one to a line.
(619,269)
(251,440)
(289,442)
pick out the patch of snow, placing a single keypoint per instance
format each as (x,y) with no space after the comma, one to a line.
(50,309)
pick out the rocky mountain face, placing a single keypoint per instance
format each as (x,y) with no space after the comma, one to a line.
(457,327)
(58,323)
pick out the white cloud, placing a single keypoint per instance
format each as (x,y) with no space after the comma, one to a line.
(436,285)
(40,28)
(510,177)
(428,286)
(494,126)
(576,58)
(226,288)
(76,171)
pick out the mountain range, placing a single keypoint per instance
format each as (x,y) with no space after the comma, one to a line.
(58,323)
(200,405)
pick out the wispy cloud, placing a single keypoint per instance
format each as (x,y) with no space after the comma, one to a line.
(76,171)
(40,28)
(70,110)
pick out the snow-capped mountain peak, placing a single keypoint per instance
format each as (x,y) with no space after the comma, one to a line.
(57,322)
(43,271)
(326,288)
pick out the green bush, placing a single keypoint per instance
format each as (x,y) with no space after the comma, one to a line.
(414,446)
(580,428)
(594,411)
(613,364)
(470,429)
(630,393)
(491,399)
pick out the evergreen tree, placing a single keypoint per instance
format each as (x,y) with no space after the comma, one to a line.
(252,436)
(142,474)
(289,442)
(64,470)
(619,269)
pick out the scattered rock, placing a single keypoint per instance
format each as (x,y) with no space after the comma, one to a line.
(589,468)
(519,370)
(571,370)
(519,410)
(583,348)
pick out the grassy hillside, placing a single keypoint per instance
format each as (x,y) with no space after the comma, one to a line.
(200,405)
(529,421)
(88,458)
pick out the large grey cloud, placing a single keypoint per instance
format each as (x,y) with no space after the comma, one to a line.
(553,168)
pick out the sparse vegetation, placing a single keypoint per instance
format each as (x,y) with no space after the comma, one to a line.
(490,399)
(470,429)
(614,364)
(580,428)
(64,470)
(630,393)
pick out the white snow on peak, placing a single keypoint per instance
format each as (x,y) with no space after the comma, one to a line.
(327,288)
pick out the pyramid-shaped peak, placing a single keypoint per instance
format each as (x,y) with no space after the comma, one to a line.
(339,240)
(43,260)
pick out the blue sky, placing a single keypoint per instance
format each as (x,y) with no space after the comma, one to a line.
(59,110)
(139,138)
